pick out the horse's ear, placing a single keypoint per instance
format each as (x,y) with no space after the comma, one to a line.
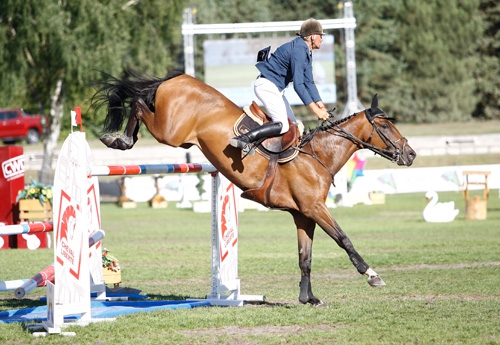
(374,102)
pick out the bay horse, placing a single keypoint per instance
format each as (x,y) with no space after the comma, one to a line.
(181,111)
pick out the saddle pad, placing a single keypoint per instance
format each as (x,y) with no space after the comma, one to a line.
(246,122)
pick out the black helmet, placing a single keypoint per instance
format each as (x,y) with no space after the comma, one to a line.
(311,27)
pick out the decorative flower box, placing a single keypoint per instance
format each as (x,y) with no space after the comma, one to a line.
(126,203)
(31,210)
(377,198)
(111,271)
(111,277)
(158,201)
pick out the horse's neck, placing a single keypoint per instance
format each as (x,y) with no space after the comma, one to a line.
(333,150)
(336,150)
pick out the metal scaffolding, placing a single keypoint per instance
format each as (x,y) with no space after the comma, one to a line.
(348,23)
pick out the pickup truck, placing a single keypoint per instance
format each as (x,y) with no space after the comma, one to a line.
(17,125)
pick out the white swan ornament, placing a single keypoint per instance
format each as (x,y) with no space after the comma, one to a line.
(438,212)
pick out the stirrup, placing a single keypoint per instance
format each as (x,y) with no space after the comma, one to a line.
(248,150)
(246,147)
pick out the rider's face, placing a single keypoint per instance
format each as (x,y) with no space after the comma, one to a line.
(316,41)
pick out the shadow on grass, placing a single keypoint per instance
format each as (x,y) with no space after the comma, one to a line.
(159,297)
(12,303)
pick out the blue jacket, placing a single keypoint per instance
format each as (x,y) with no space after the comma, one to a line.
(292,61)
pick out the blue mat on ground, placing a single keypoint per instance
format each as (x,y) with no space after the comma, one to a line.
(100,310)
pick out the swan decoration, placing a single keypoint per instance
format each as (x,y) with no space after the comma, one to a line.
(438,212)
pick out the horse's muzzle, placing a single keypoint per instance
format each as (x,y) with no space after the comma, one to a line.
(406,157)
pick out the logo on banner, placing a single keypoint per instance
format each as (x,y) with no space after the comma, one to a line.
(228,222)
(13,168)
(69,245)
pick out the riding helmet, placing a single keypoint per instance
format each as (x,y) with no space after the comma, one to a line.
(311,27)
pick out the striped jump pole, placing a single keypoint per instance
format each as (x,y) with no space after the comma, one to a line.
(143,169)
(25,286)
(40,279)
(26,228)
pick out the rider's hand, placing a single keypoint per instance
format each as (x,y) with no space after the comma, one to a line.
(322,114)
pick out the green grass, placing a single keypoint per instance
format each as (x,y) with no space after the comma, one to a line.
(442,279)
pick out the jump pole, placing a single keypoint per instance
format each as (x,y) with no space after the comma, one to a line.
(113,170)
(40,279)
(24,286)
(225,284)
(26,228)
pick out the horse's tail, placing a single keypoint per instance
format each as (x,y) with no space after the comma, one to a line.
(118,94)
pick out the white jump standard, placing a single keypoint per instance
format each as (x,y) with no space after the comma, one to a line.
(77,216)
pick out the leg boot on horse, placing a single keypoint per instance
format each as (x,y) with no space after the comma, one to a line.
(245,142)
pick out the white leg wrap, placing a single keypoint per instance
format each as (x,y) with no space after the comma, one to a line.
(370,273)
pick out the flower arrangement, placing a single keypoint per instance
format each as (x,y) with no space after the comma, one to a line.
(109,261)
(36,191)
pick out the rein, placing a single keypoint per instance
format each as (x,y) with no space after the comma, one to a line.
(392,156)
(313,154)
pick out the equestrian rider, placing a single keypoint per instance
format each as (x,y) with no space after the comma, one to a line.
(291,62)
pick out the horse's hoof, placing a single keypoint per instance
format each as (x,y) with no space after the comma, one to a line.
(313,301)
(320,304)
(109,140)
(376,281)
(115,141)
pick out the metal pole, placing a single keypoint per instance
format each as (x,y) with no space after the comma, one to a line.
(189,29)
(188,42)
(353,104)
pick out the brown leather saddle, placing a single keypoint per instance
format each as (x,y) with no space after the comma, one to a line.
(282,145)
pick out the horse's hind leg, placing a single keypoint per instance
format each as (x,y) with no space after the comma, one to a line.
(126,140)
(330,226)
(305,235)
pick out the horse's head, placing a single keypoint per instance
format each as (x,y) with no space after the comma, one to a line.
(385,139)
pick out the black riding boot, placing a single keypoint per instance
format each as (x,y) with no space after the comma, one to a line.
(245,141)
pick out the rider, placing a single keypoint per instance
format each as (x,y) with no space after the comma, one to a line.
(291,61)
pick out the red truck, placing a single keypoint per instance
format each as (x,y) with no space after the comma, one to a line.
(17,125)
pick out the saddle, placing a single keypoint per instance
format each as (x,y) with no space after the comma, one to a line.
(254,117)
(276,149)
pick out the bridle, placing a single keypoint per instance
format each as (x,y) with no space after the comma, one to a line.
(390,152)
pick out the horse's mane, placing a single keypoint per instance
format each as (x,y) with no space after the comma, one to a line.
(330,123)
(322,127)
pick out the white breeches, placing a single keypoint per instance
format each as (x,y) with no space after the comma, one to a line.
(275,102)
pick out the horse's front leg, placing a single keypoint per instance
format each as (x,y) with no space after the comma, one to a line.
(305,235)
(329,225)
(126,140)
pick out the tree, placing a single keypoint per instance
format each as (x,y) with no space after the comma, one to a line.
(378,66)
(437,41)
(52,50)
(488,48)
